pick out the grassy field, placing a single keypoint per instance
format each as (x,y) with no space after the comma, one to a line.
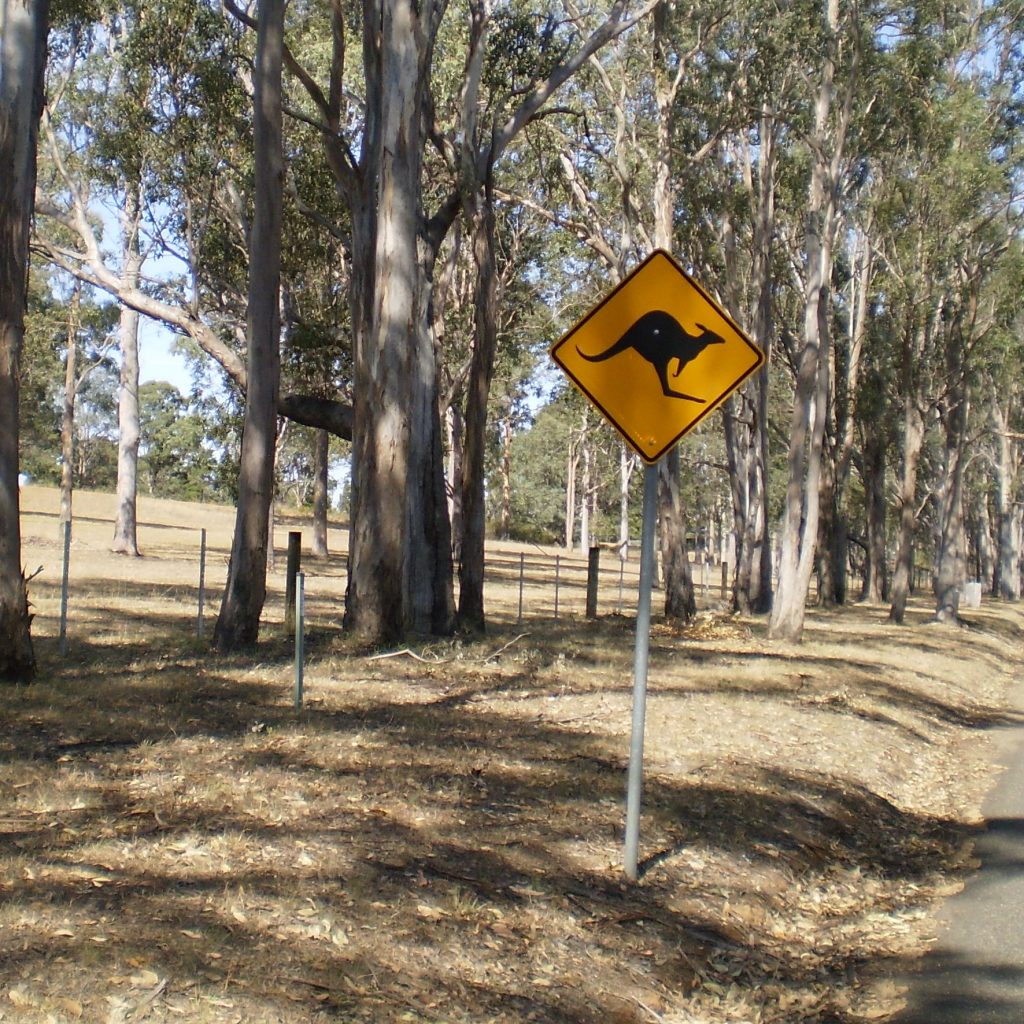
(436,836)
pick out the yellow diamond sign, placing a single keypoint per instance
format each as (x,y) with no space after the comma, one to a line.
(656,355)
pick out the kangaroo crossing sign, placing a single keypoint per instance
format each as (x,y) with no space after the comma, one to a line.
(656,355)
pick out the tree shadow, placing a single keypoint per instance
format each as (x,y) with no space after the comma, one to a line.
(950,988)
(434,821)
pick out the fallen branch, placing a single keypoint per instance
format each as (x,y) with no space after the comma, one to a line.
(501,650)
(411,654)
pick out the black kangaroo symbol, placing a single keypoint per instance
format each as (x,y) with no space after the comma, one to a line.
(659,338)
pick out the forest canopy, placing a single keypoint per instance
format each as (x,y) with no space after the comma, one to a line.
(422,198)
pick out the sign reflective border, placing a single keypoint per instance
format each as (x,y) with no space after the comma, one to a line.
(656,355)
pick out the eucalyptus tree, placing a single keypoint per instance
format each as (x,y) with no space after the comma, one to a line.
(625,171)
(376,126)
(102,153)
(523,328)
(984,87)
(1005,383)
(762,83)
(245,591)
(515,63)
(837,38)
(945,205)
(875,425)
(181,116)
(89,330)
(40,371)
(23,31)
(126,540)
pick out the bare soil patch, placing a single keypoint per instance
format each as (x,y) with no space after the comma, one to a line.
(438,838)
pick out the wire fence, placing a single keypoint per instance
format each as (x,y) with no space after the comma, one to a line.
(184,563)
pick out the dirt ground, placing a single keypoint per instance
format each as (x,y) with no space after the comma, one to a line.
(437,835)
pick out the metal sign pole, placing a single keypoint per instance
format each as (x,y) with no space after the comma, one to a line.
(643,636)
(64,589)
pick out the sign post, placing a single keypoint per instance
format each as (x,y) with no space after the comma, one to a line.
(655,357)
(634,780)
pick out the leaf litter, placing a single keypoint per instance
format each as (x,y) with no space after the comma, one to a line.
(439,838)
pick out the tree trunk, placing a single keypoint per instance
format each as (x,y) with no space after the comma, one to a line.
(680,601)
(834,534)
(321,495)
(746,412)
(759,576)
(810,407)
(800,519)
(238,622)
(984,548)
(126,522)
(485,341)
(627,464)
(455,426)
(913,441)
(828,525)
(807,435)
(1006,578)
(875,582)
(400,568)
(950,575)
(505,520)
(23,28)
(572,463)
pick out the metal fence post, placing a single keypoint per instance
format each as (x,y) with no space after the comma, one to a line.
(294,561)
(522,570)
(300,636)
(593,574)
(202,583)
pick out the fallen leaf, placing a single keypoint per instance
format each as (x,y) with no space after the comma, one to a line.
(145,979)
(19,996)
(71,1007)
(429,913)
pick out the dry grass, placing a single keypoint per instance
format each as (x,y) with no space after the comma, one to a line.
(440,839)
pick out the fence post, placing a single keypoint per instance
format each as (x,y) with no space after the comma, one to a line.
(593,570)
(294,560)
(725,578)
(202,583)
(300,637)
(522,569)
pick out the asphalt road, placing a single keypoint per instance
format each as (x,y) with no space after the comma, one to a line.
(975,972)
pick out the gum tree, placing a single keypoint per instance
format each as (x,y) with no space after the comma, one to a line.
(23,29)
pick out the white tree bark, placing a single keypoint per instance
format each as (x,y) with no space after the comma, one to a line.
(126,541)
(810,407)
(23,27)
(245,591)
